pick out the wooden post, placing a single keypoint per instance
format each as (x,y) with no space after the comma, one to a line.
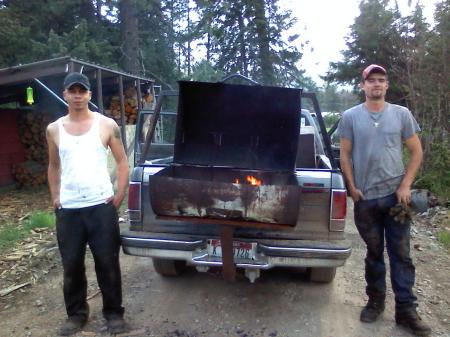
(71,67)
(122,113)
(100,92)
(139,94)
(226,241)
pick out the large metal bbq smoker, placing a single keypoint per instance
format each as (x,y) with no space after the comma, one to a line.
(234,160)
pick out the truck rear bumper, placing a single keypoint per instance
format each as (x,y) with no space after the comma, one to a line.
(270,253)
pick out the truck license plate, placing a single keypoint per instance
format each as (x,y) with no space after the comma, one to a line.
(241,250)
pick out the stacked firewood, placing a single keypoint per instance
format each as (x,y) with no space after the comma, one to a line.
(30,173)
(131,106)
(32,125)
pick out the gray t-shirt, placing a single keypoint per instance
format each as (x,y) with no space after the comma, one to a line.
(377,146)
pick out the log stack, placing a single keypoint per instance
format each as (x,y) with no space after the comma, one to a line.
(131,107)
(32,172)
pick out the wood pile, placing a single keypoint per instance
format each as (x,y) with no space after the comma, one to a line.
(131,107)
(30,173)
(32,126)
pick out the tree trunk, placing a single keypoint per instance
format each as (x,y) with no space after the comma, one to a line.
(130,38)
(267,71)
(243,53)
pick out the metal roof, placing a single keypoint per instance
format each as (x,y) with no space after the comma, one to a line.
(59,66)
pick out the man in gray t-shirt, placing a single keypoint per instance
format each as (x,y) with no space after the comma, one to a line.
(371,140)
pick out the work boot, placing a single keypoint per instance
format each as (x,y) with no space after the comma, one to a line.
(372,310)
(411,321)
(72,326)
(75,323)
(117,325)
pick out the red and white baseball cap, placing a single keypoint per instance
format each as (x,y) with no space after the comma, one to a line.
(373,68)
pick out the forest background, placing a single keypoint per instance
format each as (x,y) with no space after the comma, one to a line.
(170,40)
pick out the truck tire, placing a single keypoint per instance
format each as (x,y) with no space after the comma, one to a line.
(169,268)
(322,274)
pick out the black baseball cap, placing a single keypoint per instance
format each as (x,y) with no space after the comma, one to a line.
(76,78)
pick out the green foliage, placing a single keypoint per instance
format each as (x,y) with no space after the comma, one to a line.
(331,119)
(444,238)
(11,234)
(245,37)
(416,58)
(205,72)
(40,219)
(436,177)
(332,100)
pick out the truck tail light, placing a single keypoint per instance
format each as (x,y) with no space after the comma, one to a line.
(134,201)
(338,209)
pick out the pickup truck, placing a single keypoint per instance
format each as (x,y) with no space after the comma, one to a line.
(314,241)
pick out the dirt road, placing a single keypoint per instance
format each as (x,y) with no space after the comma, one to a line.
(280,304)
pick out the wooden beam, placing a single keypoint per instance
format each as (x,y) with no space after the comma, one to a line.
(122,113)
(226,241)
(100,92)
(139,94)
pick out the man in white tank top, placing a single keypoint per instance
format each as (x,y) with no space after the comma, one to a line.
(85,203)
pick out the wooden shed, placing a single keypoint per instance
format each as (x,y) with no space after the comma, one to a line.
(22,122)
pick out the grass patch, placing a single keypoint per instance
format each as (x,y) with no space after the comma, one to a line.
(444,238)
(40,219)
(10,235)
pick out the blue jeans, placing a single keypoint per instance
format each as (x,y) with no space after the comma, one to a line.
(97,226)
(374,225)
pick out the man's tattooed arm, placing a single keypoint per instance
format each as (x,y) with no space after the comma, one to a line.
(117,132)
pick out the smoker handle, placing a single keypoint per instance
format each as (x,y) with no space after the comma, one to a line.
(232,76)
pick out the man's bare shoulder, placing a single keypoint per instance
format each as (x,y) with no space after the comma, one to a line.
(108,122)
(52,128)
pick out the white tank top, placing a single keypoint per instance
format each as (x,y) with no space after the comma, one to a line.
(85,179)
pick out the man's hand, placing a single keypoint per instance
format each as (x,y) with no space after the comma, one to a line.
(356,194)
(403,195)
(116,199)
(56,204)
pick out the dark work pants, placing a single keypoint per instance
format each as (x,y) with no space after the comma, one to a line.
(97,226)
(375,225)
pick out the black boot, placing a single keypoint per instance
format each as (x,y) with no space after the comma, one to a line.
(411,321)
(372,310)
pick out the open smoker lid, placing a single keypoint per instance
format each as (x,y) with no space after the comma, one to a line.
(239,126)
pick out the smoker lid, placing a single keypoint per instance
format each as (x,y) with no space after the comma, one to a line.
(240,126)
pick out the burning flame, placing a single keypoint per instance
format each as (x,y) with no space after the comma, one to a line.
(253,181)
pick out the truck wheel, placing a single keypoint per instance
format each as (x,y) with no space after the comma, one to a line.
(322,274)
(169,268)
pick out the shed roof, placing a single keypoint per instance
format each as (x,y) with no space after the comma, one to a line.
(50,73)
(58,66)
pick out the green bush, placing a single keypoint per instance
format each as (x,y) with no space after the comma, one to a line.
(436,175)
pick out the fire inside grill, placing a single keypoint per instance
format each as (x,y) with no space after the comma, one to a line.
(251,180)
(234,156)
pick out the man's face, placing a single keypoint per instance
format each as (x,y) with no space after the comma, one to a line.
(375,86)
(77,97)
